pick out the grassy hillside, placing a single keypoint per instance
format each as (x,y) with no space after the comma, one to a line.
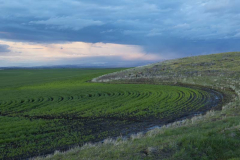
(214,135)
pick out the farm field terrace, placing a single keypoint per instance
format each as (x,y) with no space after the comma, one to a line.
(45,110)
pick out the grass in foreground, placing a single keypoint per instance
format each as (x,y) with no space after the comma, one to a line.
(213,136)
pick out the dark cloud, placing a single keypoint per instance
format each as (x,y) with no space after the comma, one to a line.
(177,28)
(4,48)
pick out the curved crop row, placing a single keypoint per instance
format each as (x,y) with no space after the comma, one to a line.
(124,101)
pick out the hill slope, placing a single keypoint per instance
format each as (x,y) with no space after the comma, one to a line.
(215,135)
(187,70)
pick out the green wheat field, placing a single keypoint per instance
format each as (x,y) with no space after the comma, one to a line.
(54,109)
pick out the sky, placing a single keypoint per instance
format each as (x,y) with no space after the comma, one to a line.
(106,33)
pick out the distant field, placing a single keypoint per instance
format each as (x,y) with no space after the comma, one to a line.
(45,110)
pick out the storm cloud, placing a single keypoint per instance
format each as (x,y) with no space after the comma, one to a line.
(165,28)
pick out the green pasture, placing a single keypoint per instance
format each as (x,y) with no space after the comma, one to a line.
(45,110)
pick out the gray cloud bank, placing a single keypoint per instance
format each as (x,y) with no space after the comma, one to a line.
(4,48)
(177,28)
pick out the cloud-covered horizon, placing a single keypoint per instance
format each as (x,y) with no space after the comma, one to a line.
(74,53)
(166,29)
